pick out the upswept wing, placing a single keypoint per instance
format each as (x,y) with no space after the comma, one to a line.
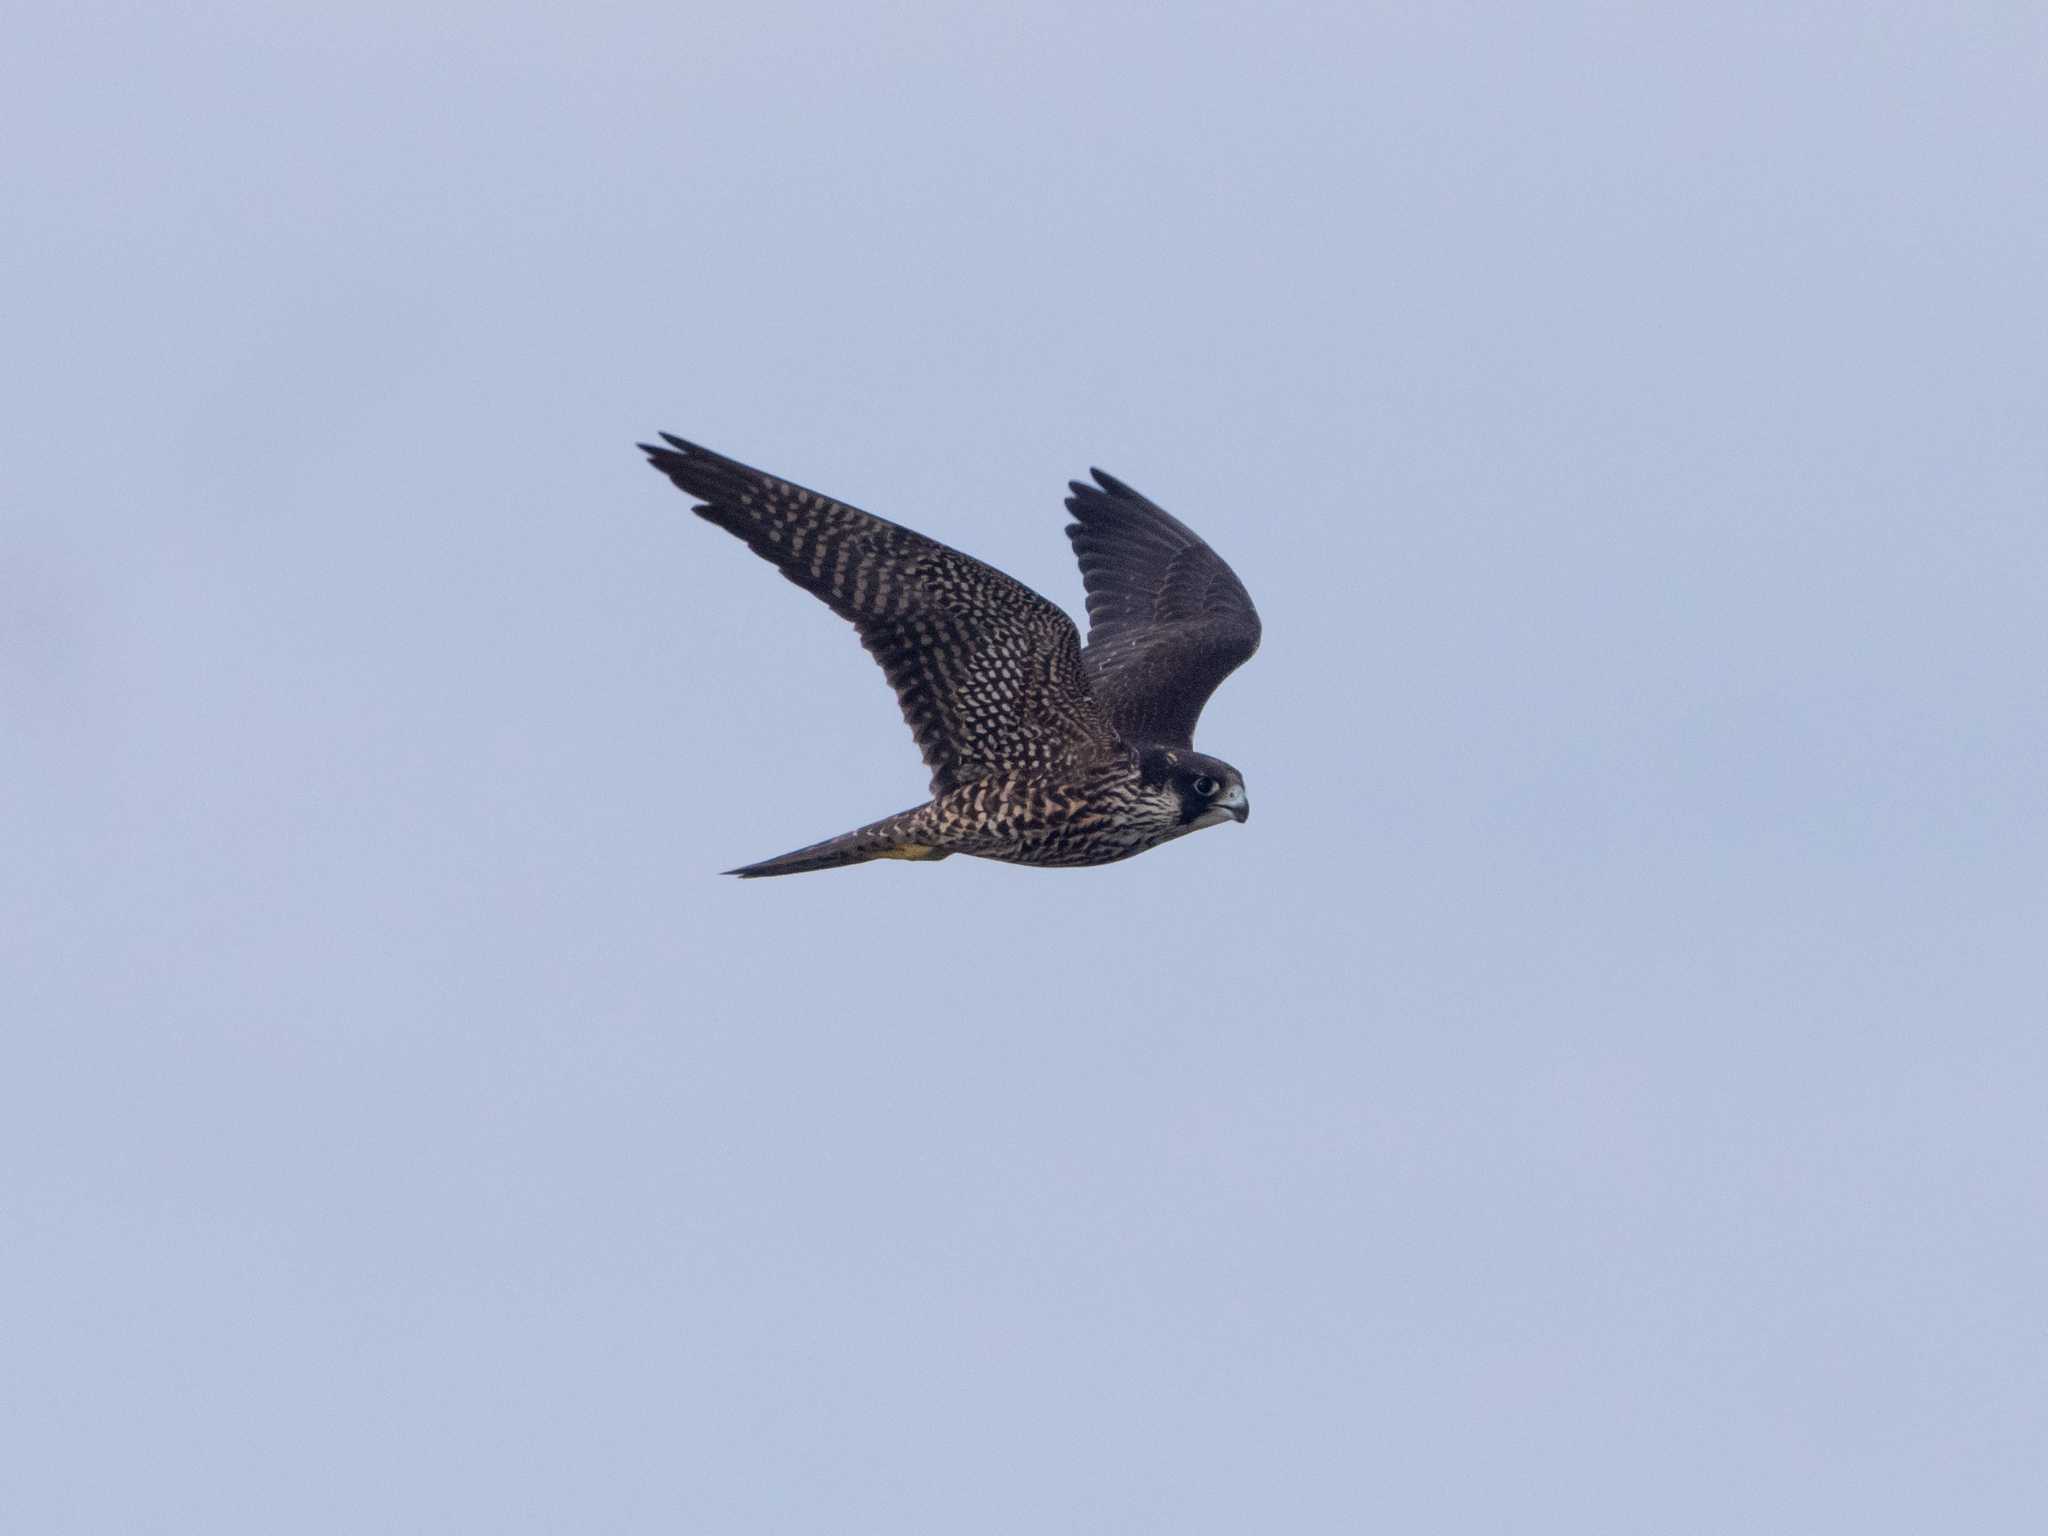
(989,673)
(1167,619)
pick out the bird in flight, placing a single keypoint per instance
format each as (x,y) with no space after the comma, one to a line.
(1041,751)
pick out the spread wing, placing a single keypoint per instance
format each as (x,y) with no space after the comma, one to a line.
(1167,619)
(989,673)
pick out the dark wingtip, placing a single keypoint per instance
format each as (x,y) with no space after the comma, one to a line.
(1088,497)
(1106,491)
(677,447)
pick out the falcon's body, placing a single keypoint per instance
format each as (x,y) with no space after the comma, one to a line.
(1041,752)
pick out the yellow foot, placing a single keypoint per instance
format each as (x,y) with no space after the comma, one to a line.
(913,851)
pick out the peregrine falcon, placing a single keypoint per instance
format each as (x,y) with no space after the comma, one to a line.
(1041,752)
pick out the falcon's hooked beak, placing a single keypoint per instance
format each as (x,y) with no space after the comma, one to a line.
(1234,802)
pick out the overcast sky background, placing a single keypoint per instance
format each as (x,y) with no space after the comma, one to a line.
(1603,1087)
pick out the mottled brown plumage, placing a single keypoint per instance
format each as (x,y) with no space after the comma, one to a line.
(1040,753)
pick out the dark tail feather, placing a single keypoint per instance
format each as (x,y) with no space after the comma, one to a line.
(879,840)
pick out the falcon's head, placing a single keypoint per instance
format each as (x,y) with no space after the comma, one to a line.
(1208,790)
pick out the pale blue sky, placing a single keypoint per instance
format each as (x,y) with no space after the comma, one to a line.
(1603,1088)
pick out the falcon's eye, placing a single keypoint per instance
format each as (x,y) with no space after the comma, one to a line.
(1206,786)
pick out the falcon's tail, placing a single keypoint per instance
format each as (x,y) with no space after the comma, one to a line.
(894,838)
